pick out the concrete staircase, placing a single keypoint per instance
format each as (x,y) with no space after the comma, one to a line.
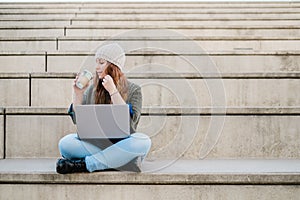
(219,82)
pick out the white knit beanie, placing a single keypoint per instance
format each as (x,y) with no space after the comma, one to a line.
(112,53)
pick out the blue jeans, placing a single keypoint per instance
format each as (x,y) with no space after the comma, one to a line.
(114,156)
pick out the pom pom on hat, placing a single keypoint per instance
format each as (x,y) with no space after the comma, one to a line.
(112,53)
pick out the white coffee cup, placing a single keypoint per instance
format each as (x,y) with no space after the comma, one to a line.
(84,78)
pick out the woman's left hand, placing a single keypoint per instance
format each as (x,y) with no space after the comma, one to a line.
(108,84)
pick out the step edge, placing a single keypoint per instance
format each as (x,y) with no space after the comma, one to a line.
(160,75)
(167,110)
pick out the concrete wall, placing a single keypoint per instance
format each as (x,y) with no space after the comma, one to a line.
(51,92)
(207,45)
(124,192)
(255,137)
(21,63)
(35,136)
(172,136)
(14,92)
(208,22)
(230,63)
(55,92)
(28,45)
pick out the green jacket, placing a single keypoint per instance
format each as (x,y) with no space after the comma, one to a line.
(134,100)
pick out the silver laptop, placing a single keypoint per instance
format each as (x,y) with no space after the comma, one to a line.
(102,121)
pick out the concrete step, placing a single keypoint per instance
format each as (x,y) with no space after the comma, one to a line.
(207,43)
(154,16)
(198,22)
(165,89)
(29,44)
(239,60)
(161,5)
(33,32)
(191,133)
(242,61)
(204,45)
(62,10)
(39,16)
(156,5)
(39,5)
(189,31)
(99,10)
(160,23)
(185,179)
(236,168)
(164,23)
(140,16)
(55,22)
(142,10)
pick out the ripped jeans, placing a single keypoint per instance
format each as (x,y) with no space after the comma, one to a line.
(114,156)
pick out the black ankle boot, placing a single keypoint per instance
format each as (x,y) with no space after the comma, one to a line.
(65,166)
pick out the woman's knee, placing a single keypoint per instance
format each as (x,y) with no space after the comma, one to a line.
(71,147)
(66,143)
(141,140)
(66,140)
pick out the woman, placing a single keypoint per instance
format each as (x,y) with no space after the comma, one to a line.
(110,87)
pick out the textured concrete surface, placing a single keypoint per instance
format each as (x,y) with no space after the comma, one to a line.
(239,92)
(154,16)
(28,45)
(69,63)
(36,136)
(162,171)
(183,92)
(187,15)
(32,16)
(53,22)
(51,92)
(226,62)
(95,5)
(47,32)
(148,63)
(152,9)
(255,136)
(270,135)
(148,192)
(172,91)
(160,179)
(22,63)
(208,22)
(14,92)
(207,45)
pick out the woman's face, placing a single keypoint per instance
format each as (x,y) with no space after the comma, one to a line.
(101,66)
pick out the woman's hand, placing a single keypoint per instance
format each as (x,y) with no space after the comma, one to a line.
(109,85)
(77,92)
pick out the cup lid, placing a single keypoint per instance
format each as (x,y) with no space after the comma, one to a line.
(88,73)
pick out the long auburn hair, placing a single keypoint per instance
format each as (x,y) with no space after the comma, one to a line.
(101,95)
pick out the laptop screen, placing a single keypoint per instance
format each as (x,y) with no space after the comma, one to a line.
(101,121)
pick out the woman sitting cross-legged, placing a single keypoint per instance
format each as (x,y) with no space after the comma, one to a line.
(110,86)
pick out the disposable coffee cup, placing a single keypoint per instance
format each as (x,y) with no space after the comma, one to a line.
(84,78)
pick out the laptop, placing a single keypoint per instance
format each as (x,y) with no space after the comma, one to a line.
(102,121)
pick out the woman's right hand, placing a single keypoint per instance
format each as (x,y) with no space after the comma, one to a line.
(77,92)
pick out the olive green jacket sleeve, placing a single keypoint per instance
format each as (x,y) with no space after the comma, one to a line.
(135,100)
